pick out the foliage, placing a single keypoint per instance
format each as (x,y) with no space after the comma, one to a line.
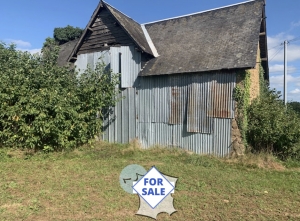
(273,127)
(242,98)
(295,106)
(66,34)
(43,106)
(50,49)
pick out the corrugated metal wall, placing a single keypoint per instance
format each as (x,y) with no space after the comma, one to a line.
(174,110)
(91,59)
(120,125)
(130,64)
(191,111)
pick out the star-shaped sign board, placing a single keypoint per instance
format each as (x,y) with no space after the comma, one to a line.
(153,188)
(166,205)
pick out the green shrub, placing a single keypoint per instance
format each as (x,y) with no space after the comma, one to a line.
(273,127)
(44,106)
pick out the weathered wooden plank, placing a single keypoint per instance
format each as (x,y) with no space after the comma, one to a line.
(103,48)
(97,24)
(92,50)
(105,35)
(109,40)
(116,40)
(106,26)
(106,32)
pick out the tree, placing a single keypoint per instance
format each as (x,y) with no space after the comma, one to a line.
(66,34)
(295,106)
(61,36)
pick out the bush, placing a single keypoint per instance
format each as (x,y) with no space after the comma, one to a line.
(273,127)
(43,106)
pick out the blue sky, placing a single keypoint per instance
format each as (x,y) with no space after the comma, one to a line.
(28,23)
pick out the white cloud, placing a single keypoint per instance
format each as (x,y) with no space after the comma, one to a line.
(276,49)
(277,82)
(279,68)
(295,24)
(292,82)
(278,39)
(19,43)
(296,91)
(31,51)
(23,46)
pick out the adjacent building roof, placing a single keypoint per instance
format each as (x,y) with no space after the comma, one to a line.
(225,38)
(65,51)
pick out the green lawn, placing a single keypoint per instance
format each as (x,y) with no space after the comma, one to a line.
(84,185)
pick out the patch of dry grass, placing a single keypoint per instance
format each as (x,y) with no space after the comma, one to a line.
(260,160)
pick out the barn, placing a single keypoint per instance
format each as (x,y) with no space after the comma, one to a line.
(178,75)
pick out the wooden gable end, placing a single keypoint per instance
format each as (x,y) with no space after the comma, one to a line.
(104,32)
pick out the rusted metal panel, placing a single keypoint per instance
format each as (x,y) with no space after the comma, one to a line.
(222,103)
(198,103)
(178,98)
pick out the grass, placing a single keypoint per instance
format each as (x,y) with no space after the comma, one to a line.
(84,185)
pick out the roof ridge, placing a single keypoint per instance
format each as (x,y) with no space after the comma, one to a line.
(120,12)
(182,16)
(144,46)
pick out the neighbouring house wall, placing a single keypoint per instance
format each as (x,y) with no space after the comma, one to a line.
(254,78)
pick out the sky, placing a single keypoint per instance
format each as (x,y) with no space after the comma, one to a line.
(28,23)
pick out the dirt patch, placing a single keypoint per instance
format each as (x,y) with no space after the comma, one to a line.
(11,206)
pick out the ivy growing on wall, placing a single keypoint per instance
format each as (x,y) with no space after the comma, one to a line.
(242,98)
(263,87)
